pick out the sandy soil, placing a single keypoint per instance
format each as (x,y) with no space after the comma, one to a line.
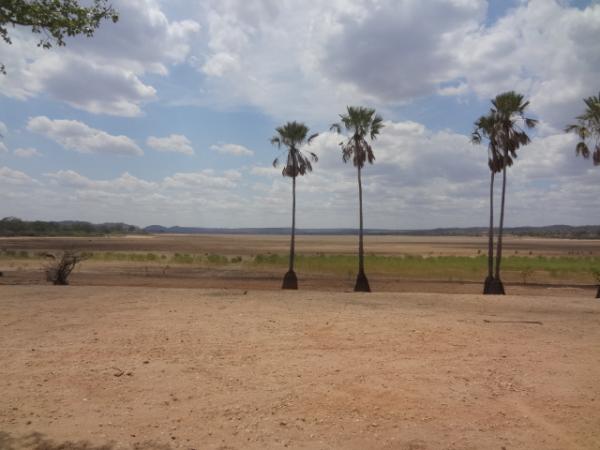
(88,368)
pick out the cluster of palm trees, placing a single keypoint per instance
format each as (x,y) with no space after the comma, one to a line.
(362,124)
(503,128)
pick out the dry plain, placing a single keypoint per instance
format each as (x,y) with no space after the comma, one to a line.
(166,271)
(112,364)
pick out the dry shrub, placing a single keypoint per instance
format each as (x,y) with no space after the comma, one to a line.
(60,267)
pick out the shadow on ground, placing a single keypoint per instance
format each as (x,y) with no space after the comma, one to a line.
(38,441)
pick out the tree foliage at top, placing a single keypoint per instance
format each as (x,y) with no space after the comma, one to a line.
(361,122)
(507,112)
(486,128)
(588,130)
(54,19)
(293,135)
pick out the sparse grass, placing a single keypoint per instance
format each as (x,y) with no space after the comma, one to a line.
(515,268)
(166,258)
(440,267)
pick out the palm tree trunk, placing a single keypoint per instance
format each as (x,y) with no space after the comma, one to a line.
(490,277)
(500,286)
(290,281)
(362,283)
(361,249)
(292,243)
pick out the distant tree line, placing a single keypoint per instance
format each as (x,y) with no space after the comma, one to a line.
(13,226)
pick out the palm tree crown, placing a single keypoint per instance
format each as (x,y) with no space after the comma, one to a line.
(293,135)
(361,122)
(588,128)
(486,128)
(507,112)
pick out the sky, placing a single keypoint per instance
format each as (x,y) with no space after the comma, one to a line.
(166,116)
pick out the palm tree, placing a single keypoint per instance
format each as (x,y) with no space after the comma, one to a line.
(588,128)
(506,116)
(484,129)
(362,123)
(292,135)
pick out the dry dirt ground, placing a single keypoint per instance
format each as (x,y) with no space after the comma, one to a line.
(107,368)
(233,245)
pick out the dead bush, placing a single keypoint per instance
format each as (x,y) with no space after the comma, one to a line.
(60,267)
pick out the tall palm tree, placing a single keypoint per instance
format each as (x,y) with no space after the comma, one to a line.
(507,115)
(485,129)
(292,136)
(362,123)
(588,130)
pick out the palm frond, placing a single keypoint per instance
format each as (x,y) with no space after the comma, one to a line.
(582,149)
(587,129)
(362,123)
(293,136)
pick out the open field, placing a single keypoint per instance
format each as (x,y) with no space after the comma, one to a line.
(233,245)
(121,368)
(394,263)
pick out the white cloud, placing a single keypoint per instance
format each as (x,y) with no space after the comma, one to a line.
(388,52)
(544,49)
(205,198)
(28,152)
(204,180)
(232,149)
(103,74)
(265,171)
(405,44)
(176,143)
(3,148)
(77,136)
(3,129)
(126,182)
(97,88)
(15,177)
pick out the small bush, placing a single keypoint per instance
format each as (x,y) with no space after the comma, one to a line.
(61,267)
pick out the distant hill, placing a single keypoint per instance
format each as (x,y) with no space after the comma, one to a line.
(555,231)
(12,226)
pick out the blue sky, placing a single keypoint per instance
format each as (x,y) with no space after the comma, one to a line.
(165,117)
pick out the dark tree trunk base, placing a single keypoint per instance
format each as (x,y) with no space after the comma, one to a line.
(362,283)
(492,286)
(290,281)
(486,284)
(598,293)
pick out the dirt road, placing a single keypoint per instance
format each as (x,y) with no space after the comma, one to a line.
(107,368)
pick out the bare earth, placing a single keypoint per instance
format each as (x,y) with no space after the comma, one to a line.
(103,368)
(337,245)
